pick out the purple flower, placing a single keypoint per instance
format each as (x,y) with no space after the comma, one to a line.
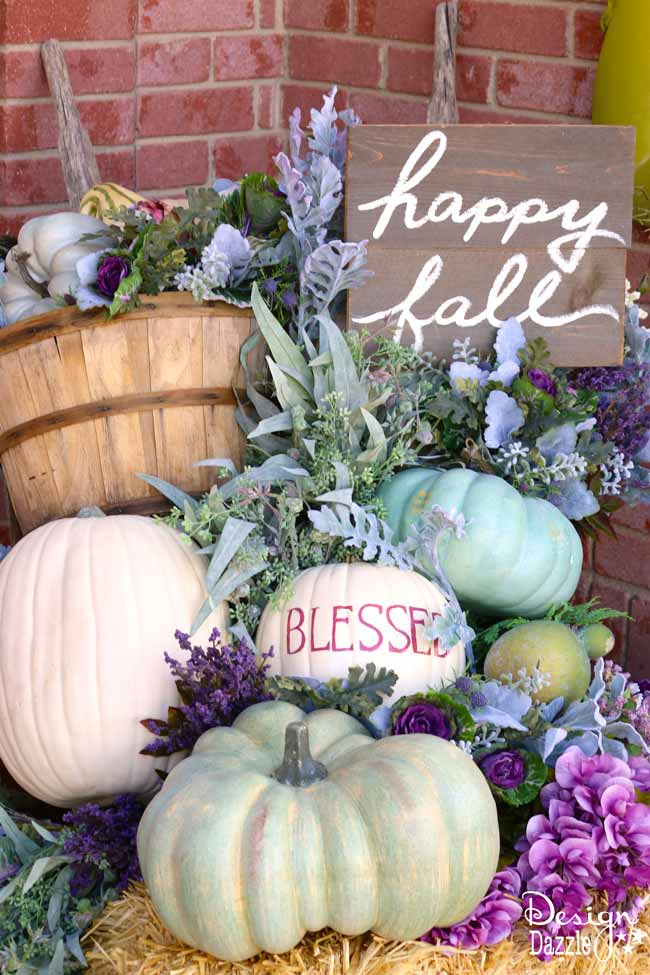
(289,298)
(8,871)
(640,767)
(106,836)
(542,380)
(425,718)
(595,837)
(465,685)
(505,769)
(215,685)
(85,877)
(269,286)
(623,414)
(491,921)
(110,272)
(644,686)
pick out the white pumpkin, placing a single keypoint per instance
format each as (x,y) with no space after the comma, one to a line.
(88,607)
(346,615)
(53,245)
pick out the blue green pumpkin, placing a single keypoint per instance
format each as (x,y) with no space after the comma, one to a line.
(518,557)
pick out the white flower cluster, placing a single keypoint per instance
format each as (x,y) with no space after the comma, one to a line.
(485,739)
(463,351)
(514,457)
(615,471)
(224,261)
(529,682)
(511,455)
(631,298)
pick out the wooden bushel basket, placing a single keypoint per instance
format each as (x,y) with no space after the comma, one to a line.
(86,404)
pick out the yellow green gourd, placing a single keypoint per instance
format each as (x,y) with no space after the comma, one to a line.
(255,840)
(559,652)
(622,86)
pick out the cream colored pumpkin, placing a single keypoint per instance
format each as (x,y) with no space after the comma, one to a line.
(346,615)
(88,607)
(53,245)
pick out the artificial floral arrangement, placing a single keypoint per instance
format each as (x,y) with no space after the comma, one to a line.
(361,457)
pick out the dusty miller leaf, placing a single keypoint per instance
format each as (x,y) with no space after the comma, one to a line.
(363,530)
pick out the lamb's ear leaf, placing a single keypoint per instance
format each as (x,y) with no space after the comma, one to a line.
(24,846)
(177,497)
(272,424)
(41,867)
(229,582)
(284,351)
(234,534)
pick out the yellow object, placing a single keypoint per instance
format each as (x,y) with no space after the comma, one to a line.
(129,938)
(622,88)
(107,196)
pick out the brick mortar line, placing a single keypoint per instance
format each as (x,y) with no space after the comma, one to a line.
(536,114)
(629,589)
(50,153)
(317,85)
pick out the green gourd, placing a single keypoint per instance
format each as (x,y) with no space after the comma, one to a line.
(561,653)
(251,841)
(518,557)
(622,86)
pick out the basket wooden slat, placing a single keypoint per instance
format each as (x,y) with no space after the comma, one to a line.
(79,414)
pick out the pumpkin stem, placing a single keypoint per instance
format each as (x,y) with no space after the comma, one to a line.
(298,767)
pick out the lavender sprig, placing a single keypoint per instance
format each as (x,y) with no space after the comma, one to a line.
(215,685)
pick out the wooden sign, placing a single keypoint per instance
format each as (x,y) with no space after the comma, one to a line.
(468,225)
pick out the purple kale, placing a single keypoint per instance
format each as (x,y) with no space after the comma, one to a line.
(105,836)
(505,768)
(423,718)
(491,921)
(542,381)
(215,685)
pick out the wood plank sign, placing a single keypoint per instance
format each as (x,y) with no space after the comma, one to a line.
(468,225)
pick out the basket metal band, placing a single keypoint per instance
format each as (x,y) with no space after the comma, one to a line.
(132,403)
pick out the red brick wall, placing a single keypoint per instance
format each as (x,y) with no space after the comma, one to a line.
(175,93)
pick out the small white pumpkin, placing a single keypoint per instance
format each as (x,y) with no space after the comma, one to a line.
(88,607)
(53,245)
(347,615)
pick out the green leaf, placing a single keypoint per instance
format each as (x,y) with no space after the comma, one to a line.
(126,296)
(226,586)
(284,351)
(288,391)
(584,614)
(175,495)
(234,534)
(24,846)
(346,380)
(359,694)
(272,424)
(41,867)
(56,966)
(224,463)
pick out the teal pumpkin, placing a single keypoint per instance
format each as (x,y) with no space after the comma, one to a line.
(251,841)
(518,557)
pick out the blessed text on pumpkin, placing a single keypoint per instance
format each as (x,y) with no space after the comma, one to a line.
(566,250)
(403,622)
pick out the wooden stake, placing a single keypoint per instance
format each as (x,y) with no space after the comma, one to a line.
(443,109)
(77,156)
